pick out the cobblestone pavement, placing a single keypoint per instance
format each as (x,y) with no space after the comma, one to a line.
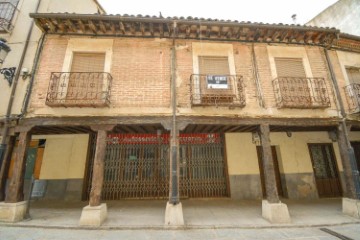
(348,231)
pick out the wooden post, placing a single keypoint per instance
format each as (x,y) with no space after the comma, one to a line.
(268,165)
(15,191)
(345,152)
(4,168)
(98,168)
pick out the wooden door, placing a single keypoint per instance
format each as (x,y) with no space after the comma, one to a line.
(325,170)
(276,169)
(356,147)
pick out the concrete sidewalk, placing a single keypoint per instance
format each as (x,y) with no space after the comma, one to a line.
(198,214)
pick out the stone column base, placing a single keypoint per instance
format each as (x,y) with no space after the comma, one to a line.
(12,212)
(275,212)
(351,207)
(174,215)
(93,216)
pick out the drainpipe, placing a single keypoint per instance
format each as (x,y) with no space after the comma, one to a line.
(8,118)
(174,197)
(350,150)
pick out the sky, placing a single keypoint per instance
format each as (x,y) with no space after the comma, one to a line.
(266,11)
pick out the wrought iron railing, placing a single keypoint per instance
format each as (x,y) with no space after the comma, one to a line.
(353,97)
(297,92)
(79,89)
(217,90)
(7,11)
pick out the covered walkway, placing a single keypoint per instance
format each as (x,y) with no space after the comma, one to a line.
(198,213)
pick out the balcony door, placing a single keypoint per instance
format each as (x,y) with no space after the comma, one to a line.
(86,77)
(214,83)
(325,170)
(294,86)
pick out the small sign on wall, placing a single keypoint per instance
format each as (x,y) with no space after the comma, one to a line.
(217,81)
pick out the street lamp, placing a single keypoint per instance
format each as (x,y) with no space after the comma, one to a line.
(7,72)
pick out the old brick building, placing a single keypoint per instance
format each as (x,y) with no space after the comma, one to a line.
(134,107)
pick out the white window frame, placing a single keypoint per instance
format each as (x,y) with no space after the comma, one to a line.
(88,46)
(200,49)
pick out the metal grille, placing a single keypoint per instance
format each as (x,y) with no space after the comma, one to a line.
(217,90)
(79,89)
(297,92)
(136,166)
(202,167)
(353,97)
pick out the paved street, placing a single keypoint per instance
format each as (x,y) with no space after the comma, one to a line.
(352,231)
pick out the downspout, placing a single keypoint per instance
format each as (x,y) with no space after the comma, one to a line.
(33,73)
(174,196)
(8,119)
(350,150)
(257,78)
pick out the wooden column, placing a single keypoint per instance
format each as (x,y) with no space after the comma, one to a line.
(98,168)
(268,165)
(345,152)
(4,168)
(15,191)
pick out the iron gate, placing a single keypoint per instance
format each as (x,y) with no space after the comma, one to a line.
(203,172)
(137,166)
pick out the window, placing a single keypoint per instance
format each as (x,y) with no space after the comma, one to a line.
(353,75)
(86,77)
(7,11)
(290,67)
(216,70)
(88,62)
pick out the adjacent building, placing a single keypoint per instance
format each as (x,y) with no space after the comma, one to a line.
(141,107)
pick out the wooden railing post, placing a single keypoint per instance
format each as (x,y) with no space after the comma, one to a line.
(15,191)
(98,168)
(268,165)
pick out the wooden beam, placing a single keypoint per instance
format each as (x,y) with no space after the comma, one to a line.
(16,187)
(151,29)
(70,25)
(102,26)
(82,26)
(4,168)
(92,27)
(142,28)
(268,165)
(208,31)
(187,31)
(122,28)
(98,169)
(113,28)
(133,28)
(51,26)
(161,30)
(350,190)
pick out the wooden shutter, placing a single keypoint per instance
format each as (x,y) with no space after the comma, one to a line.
(290,67)
(353,75)
(214,65)
(88,62)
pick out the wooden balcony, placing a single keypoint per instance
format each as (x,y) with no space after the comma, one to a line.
(303,93)
(79,89)
(352,92)
(217,90)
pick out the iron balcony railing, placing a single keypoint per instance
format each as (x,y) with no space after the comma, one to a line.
(79,89)
(298,92)
(353,97)
(7,11)
(217,90)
